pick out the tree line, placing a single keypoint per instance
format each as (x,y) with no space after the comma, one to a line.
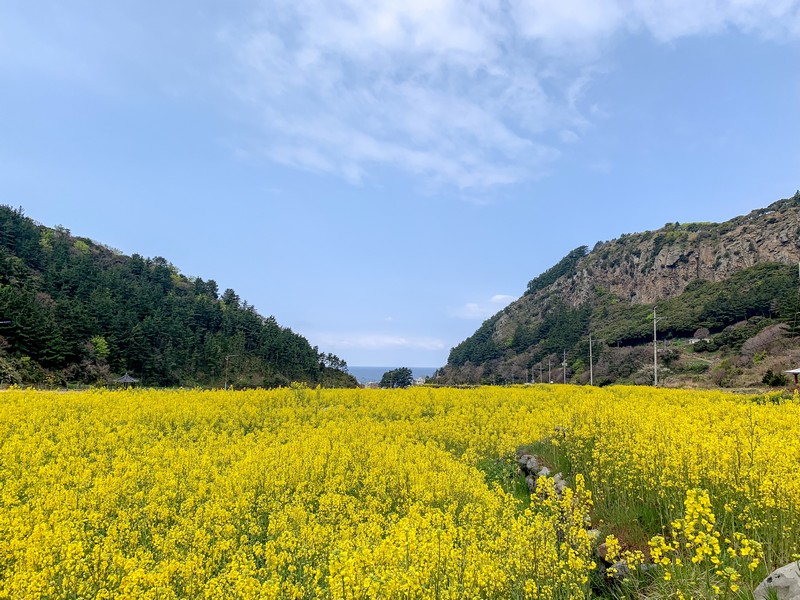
(73,310)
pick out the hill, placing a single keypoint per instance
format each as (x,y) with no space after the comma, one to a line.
(733,284)
(74,310)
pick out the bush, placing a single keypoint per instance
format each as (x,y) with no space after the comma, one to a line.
(725,373)
(774,379)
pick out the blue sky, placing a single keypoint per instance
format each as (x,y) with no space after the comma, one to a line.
(382,176)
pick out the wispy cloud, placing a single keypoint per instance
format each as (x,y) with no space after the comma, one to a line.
(438,89)
(481,310)
(678,18)
(376,341)
(468,93)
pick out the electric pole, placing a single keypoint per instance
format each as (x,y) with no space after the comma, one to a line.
(655,349)
(564,366)
(591,368)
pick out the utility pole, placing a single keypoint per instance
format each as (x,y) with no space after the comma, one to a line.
(549,371)
(591,368)
(564,366)
(541,371)
(655,349)
(794,325)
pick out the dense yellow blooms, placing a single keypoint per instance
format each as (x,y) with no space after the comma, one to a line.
(302,493)
(292,493)
(649,447)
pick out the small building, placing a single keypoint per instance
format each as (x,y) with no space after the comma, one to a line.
(794,372)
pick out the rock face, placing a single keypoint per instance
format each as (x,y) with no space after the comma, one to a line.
(783,582)
(644,267)
(653,265)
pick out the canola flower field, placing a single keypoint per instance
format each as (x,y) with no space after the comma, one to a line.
(308,493)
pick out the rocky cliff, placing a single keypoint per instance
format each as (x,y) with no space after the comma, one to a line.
(650,266)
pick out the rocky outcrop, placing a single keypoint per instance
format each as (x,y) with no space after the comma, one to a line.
(782,584)
(534,469)
(653,265)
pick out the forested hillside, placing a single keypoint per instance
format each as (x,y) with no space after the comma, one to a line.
(729,283)
(73,310)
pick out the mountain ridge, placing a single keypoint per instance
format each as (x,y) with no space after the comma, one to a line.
(73,310)
(725,272)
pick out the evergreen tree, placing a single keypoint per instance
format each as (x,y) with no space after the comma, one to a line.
(79,311)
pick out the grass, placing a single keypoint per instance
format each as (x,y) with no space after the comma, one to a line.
(504,472)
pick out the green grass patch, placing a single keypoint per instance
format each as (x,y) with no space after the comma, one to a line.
(504,472)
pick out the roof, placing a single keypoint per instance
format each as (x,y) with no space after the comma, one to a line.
(126,379)
(793,371)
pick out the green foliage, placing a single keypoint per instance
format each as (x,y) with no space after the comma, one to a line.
(565,267)
(100,346)
(724,374)
(774,379)
(697,367)
(733,337)
(764,291)
(704,346)
(562,329)
(74,303)
(480,347)
(505,473)
(397,378)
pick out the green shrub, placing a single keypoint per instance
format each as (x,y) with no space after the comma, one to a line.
(774,379)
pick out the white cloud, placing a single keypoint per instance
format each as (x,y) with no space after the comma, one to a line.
(434,88)
(678,18)
(568,136)
(578,26)
(567,23)
(481,310)
(502,299)
(375,341)
(466,93)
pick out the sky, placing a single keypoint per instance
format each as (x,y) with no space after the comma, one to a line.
(383,175)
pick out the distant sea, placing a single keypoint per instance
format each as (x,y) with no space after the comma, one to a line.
(367,374)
